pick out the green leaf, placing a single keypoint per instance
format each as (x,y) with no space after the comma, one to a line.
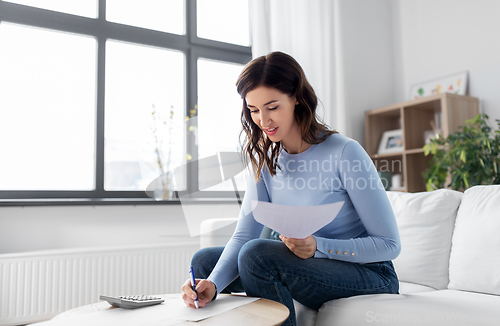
(427,149)
(462,156)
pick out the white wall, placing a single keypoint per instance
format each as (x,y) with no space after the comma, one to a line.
(386,46)
(440,37)
(365,55)
(52,227)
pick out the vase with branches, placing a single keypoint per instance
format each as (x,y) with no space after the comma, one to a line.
(159,127)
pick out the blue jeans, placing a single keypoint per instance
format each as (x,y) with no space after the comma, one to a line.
(268,269)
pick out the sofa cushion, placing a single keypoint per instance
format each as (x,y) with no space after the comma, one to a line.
(425,222)
(475,257)
(305,316)
(435,308)
(216,231)
(406,288)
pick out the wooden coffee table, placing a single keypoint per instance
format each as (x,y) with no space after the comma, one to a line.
(261,312)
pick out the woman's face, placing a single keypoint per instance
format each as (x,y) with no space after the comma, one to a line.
(273,112)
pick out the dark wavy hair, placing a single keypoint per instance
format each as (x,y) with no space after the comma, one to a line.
(282,72)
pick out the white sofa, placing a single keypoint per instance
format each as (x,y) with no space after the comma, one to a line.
(449,266)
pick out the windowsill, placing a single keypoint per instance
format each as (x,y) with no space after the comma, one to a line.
(111,201)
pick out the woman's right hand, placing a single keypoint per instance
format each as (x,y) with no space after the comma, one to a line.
(206,291)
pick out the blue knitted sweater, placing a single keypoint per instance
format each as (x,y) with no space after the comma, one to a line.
(338,169)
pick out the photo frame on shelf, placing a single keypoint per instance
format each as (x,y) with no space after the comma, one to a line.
(391,142)
(454,83)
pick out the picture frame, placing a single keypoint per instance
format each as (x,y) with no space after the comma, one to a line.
(455,83)
(391,142)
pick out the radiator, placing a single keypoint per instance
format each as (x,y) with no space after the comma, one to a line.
(36,286)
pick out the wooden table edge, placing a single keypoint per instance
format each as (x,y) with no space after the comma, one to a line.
(259,312)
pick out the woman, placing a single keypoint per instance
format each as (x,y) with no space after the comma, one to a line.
(298,161)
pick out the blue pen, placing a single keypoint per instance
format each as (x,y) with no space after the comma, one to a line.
(193,285)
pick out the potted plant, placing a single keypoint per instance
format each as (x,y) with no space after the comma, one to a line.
(469,156)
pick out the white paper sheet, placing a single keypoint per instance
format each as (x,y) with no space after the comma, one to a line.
(295,221)
(172,312)
(222,304)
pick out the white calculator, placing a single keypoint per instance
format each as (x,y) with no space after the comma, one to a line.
(132,301)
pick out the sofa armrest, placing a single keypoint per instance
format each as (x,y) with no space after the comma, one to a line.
(216,231)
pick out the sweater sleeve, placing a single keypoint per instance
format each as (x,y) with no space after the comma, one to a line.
(247,228)
(360,180)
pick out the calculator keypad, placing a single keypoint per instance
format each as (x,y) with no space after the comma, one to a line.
(138,297)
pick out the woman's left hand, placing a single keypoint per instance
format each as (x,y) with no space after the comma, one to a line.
(302,248)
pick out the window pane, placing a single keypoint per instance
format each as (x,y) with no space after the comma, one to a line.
(86,8)
(219,109)
(140,80)
(166,16)
(224,20)
(47,109)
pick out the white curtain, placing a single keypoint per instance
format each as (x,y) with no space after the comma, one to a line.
(305,30)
